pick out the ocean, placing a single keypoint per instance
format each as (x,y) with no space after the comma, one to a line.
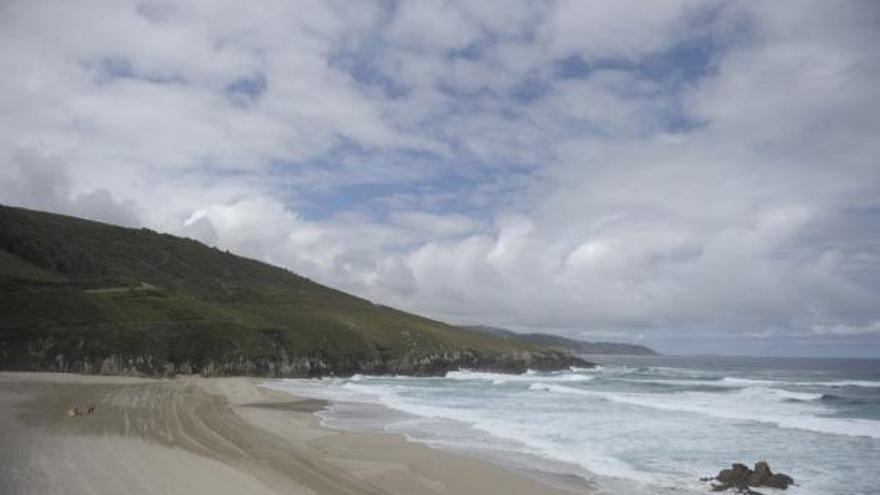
(637,425)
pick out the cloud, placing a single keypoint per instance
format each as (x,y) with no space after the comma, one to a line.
(628,28)
(679,170)
(42,182)
(428,25)
(872,328)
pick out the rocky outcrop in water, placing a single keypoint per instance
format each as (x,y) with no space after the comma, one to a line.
(740,478)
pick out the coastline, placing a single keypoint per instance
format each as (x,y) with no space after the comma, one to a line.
(213,435)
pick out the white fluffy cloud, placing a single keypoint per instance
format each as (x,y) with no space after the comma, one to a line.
(627,28)
(669,170)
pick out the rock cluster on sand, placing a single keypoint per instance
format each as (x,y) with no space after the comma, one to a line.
(741,478)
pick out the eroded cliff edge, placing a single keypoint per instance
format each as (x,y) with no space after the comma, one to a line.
(87,297)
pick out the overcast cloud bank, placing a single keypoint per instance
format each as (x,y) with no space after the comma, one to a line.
(704,176)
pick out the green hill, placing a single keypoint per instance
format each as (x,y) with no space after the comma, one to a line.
(83,296)
(574,346)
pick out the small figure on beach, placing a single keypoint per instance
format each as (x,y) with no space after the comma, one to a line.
(91,408)
(74,411)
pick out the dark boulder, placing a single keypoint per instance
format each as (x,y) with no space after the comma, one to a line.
(759,475)
(736,474)
(740,478)
(778,480)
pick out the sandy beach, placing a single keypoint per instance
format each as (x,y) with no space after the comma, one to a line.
(222,435)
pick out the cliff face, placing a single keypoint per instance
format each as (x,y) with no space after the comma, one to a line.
(87,297)
(283,365)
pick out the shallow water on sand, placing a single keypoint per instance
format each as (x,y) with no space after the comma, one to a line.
(639,424)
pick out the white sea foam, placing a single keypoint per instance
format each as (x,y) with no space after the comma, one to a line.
(604,422)
(736,382)
(527,377)
(832,384)
(740,406)
(841,383)
(759,404)
(532,437)
(781,393)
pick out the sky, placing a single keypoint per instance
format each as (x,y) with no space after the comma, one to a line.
(697,176)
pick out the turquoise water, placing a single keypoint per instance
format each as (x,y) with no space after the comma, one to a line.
(639,424)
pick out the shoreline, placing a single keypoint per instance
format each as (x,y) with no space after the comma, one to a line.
(348,414)
(214,435)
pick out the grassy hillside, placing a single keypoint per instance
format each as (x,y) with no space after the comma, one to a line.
(575,346)
(85,296)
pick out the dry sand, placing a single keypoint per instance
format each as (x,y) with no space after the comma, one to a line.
(211,436)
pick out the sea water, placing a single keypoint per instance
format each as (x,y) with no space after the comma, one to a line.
(639,425)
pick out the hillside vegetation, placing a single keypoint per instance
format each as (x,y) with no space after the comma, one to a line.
(575,346)
(83,296)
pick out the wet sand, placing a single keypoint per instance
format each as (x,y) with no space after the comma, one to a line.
(193,435)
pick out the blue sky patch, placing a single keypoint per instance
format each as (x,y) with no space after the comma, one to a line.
(246,90)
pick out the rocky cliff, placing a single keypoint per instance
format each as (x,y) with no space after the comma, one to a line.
(87,297)
(283,365)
